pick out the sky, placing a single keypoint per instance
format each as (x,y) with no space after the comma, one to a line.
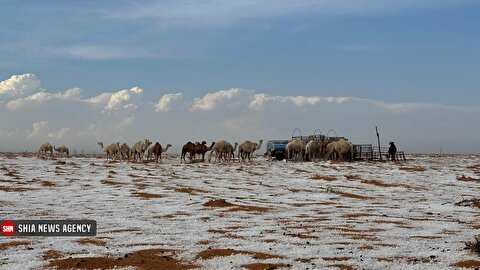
(80,72)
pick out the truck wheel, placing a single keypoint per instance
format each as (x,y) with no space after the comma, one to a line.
(279,156)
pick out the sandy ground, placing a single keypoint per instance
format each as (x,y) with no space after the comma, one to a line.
(258,215)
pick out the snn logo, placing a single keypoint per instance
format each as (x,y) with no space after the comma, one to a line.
(8,228)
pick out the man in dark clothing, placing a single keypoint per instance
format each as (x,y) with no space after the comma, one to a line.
(392,151)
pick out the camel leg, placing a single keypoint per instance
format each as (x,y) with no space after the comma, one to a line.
(210,157)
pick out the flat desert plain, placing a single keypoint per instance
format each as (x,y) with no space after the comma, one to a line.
(257,215)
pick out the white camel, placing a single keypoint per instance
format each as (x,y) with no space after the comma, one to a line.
(139,148)
(295,150)
(342,148)
(311,150)
(246,149)
(111,150)
(220,149)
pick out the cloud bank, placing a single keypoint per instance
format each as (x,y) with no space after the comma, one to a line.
(31,115)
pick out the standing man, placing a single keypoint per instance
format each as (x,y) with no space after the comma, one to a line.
(392,150)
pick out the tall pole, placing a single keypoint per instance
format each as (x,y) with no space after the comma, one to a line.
(378,140)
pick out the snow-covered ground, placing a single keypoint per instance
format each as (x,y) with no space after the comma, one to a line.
(288,215)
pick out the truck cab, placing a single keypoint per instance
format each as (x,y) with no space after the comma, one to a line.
(276,149)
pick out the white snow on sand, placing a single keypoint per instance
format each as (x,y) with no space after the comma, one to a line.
(308,215)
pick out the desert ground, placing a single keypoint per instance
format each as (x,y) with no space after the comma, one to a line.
(256,215)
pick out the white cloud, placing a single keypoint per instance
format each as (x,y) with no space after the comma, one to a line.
(41,130)
(211,100)
(122,98)
(219,13)
(301,101)
(235,114)
(260,100)
(115,101)
(61,134)
(42,97)
(38,128)
(98,52)
(119,99)
(338,100)
(19,85)
(165,102)
(398,107)
(100,100)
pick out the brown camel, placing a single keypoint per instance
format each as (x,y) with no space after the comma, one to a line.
(157,151)
(187,148)
(44,148)
(201,149)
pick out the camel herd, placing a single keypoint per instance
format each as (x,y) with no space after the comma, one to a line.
(220,151)
(298,150)
(136,152)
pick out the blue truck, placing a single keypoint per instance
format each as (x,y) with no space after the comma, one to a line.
(276,149)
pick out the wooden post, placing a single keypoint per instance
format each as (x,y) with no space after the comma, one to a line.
(378,140)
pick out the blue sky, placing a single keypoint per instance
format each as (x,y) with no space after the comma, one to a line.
(395,52)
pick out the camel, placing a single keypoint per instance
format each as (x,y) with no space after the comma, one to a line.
(322,148)
(110,151)
(124,150)
(62,150)
(187,148)
(343,150)
(311,150)
(139,148)
(330,151)
(246,149)
(44,148)
(231,155)
(201,149)
(221,149)
(157,151)
(194,149)
(295,149)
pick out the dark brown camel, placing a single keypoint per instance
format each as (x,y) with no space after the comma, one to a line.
(195,149)
(156,150)
(201,149)
(187,148)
